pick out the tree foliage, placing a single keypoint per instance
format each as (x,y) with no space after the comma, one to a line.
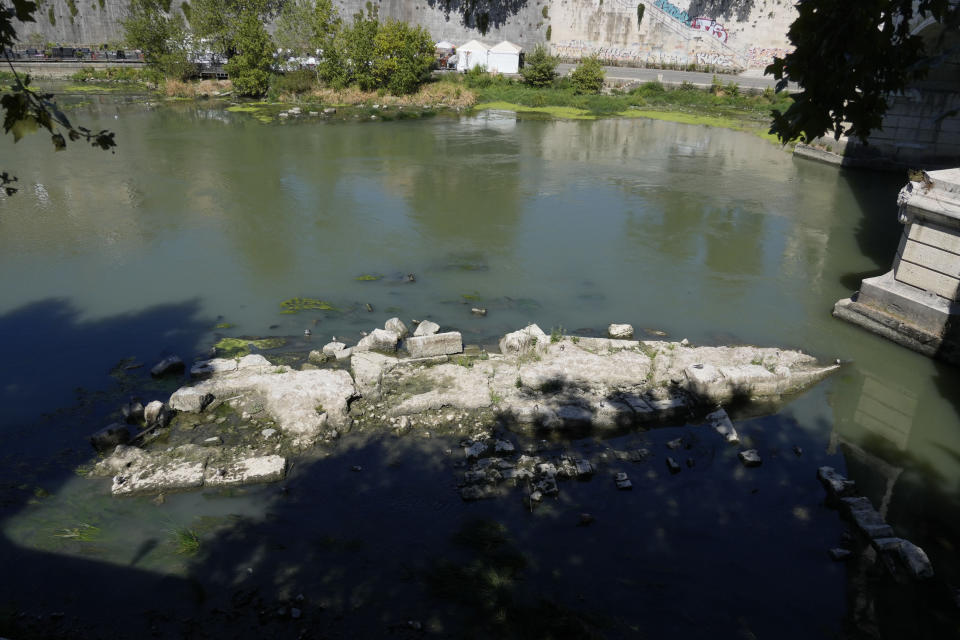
(164,39)
(294,26)
(219,21)
(357,44)
(249,68)
(539,68)
(403,55)
(326,25)
(849,58)
(26,111)
(588,76)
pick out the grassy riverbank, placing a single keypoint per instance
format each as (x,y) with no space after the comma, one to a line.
(721,105)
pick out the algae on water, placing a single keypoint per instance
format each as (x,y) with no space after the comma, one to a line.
(239,347)
(293,305)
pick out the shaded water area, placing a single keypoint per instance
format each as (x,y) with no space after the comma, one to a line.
(205,218)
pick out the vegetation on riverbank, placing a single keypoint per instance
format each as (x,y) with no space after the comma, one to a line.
(721,105)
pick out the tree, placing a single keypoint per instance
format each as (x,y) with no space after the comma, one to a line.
(849,58)
(164,39)
(25,110)
(219,21)
(250,66)
(326,27)
(403,55)
(295,26)
(357,45)
(588,76)
(540,68)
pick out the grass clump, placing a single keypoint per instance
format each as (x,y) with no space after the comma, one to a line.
(369,277)
(186,541)
(556,334)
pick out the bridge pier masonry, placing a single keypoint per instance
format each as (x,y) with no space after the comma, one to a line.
(917,303)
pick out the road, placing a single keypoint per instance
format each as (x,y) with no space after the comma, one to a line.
(633,74)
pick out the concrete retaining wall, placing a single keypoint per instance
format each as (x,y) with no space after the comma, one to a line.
(731,34)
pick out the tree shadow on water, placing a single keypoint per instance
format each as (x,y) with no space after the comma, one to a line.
(56,389)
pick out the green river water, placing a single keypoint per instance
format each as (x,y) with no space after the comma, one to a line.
(204,217)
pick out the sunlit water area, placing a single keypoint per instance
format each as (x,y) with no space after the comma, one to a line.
(203,222)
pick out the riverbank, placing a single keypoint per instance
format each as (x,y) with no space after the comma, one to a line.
(720,105)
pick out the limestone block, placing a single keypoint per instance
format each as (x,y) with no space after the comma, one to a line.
(436,345)
(522,341)
(620,331)
(378,340)
(153,478)
(246,471)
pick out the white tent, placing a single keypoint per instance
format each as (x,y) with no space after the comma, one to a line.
(504,58)
(472,54)
(444,45)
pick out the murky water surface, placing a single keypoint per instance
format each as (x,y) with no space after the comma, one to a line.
(203,217)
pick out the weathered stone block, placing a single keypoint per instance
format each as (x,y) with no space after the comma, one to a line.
(259,469)
(378,340)
(426,328)
(436,345)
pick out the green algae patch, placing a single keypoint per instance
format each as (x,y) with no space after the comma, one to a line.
(294,305)
(239,347)
(369,277)
(565,113)
(265,112)
(223,325)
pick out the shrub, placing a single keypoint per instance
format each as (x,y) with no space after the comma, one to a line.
(588,76)
(250,68)
(478,78)
(540,68)
(403,55)
(299,81)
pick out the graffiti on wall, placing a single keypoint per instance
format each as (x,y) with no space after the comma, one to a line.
(673,10)
(714,59)
(637,55)
(711,26)
(761,57)
(640,55)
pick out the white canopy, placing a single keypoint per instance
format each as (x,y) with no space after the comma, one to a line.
(506,47)
(443,44)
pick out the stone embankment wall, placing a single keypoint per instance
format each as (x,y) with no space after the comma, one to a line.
(726,34)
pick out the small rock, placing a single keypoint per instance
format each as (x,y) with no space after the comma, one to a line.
(132,411)
(295,613)
(332,348)
(268,433)
(673,465)
(329,111)
(396,325)
(622,481)
(169,365)
(536,496)
(836,485)
(750,458)
(317,357)
(307,332)
(212,442)
(585,519)
(915,560)
(685,343)
(478,311)
(110,436)
(356,467)
(151,413)
(343,354)
(839,554)
(676,443)
(475,450)
(797,451)
(426,328)
(411,277)
(415,625)
(620,331)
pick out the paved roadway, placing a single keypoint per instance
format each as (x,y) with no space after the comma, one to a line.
(755,79)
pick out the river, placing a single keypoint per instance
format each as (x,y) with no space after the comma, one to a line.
(204,218)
